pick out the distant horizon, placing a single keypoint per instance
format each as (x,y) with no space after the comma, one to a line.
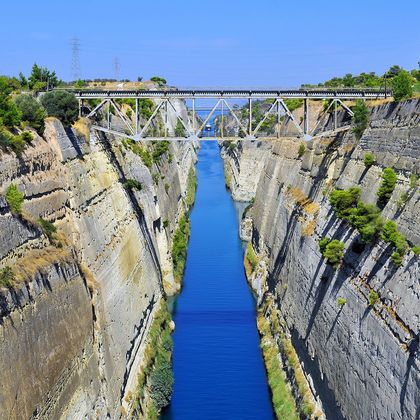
(212,44)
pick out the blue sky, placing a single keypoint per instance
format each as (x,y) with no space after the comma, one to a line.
(205,43)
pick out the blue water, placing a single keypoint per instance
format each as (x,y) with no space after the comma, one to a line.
(218,366)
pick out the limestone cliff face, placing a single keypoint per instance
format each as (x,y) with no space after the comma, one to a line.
(244,166)
(363,360)
(73,328)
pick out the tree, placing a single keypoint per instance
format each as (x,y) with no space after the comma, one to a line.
(14,199)
(62,105)
(334,252)
(179,129)
(32,111)
(389,180)
(360,118)
(41,77)
(402,86)
(10,115)
(369,160)
(159,80)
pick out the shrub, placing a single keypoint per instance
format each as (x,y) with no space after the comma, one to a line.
(334,252)
(14,199)
(341,301)
(167,186)
(32,111)
(179,247)
(389,180)
(159,80)
(416,250)
(10,141)
(251,257)
(343,201)
(413,181)
(402,86)
(397,258)
(159,149)
(301,150)
(373,297)
(132,184)
(369,160)
(161,382)
(366,218)
(165,223)
(62,105)
(179,129)
(323,244)
(48,227)
(360,118)
(156,178)
(7,277)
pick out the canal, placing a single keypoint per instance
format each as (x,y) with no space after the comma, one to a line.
(218,366)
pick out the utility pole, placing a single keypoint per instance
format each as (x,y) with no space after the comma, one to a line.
(75,61)
(117,69)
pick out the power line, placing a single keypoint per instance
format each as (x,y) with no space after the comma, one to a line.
(75,61)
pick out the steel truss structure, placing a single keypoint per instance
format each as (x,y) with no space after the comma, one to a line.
(193,126)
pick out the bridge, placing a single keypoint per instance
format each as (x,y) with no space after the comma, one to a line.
(193,123)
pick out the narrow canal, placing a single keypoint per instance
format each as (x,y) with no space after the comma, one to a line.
(218,366)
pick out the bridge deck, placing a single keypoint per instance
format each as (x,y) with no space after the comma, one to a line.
(190,94)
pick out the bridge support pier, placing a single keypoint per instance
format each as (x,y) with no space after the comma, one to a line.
(305,116)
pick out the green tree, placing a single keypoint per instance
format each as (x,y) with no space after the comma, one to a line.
(402,86)
(14,199)
(179,129)
(159,80)
(369,160)
(360,118)
(301,150)
(389,180)
(334,252)
(32,111)
(41,77)
(62,105)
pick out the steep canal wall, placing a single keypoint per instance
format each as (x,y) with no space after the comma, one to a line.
(84,267)
(353,323)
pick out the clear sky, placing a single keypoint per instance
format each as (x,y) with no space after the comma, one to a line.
(212,43)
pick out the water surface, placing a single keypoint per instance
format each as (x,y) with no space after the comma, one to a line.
(218,366)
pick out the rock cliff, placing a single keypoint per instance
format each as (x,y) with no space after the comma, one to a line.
(354,328)
(74,326)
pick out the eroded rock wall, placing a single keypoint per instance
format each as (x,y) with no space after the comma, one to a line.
(363,360)
(73,328)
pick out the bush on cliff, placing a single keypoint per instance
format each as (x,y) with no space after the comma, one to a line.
(334,252)
(62,105)
(369,160)
(179,248)
(360,118)
(7,277)
(389,180)
(32,111)
(342,201)
(14,199)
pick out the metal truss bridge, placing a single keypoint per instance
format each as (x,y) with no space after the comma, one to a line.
(194,123)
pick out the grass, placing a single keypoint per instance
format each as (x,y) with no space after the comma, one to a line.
(7,277)
(302,200)
(251,260)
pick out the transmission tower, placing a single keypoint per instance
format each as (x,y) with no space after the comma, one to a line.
(75,62)
(117,68)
